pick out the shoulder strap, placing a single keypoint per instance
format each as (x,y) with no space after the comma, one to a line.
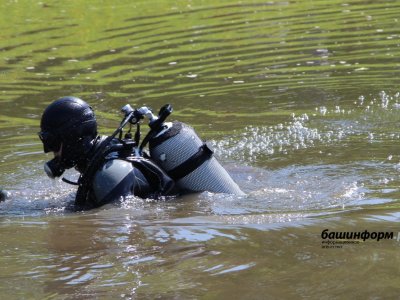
(160,182)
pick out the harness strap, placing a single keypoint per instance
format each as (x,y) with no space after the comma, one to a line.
(192,163)
(158,179)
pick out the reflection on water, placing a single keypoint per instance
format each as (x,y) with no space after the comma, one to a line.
(300,101)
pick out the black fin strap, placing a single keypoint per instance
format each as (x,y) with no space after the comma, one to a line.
(192,163)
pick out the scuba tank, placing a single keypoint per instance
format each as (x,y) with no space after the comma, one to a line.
(117,168)
(122,172)
(177,149)
(178,159)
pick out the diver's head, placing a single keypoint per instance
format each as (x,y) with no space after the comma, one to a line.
(68,128)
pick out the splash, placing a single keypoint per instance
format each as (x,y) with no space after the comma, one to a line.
(370,118)
(35,194)
(255,141)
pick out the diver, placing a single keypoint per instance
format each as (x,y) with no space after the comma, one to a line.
(116,166)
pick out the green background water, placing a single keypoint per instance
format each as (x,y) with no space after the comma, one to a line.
(299,98)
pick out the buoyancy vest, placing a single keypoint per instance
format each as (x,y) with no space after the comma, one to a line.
(118,172)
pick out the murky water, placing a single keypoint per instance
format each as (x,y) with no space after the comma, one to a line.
(301,102)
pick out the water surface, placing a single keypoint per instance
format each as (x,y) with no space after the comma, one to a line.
(300,100)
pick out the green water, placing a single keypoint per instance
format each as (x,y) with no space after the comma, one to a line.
(301,102)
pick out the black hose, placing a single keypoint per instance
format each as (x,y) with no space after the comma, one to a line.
(3,195)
